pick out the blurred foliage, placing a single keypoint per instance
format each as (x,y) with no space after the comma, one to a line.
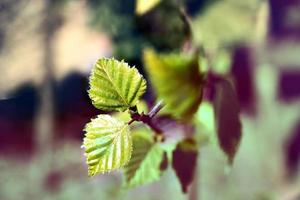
(185,161)
(176,72)
(228,124)
(205,123)
(143,6)
(118,20)
(225,23)
(162,27)
(165,27)
(56,175)
(221,62)
(147,156)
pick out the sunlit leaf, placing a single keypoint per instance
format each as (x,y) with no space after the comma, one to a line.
(107,144)
(169,146)
(221,62)
(228,124)
(185,161)
(205,116)
(176,80)
(145,164)
(205,124)
(143,6)
(114,85)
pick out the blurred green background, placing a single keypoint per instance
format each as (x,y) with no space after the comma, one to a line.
(47,49)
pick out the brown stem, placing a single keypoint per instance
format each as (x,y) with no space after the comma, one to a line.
(147,118)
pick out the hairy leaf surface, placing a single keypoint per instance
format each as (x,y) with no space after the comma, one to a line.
(114,85)
(177,80)
(144,166)
(107,143)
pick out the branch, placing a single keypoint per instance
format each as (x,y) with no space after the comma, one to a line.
(156,109)
(147,118)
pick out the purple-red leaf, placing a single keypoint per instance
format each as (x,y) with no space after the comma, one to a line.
(292,152)
(184,162)
(228,124)
(164,163)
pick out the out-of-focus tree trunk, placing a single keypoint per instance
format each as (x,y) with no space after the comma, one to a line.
(45,114)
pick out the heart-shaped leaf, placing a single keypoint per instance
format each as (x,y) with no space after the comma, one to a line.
(107,143)
(114,85)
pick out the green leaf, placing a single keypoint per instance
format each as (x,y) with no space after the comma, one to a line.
(144,166)
(205,124)
(114,85)
(107,143)
(177,81)
(143,6)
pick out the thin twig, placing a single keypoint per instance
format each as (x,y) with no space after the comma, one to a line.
(156,109)
(147,118)
(131,121)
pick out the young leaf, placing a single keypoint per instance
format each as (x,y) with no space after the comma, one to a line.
(176,80)
(114,85)
(226,108)
(184,162)
(107,144)
(144,166)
